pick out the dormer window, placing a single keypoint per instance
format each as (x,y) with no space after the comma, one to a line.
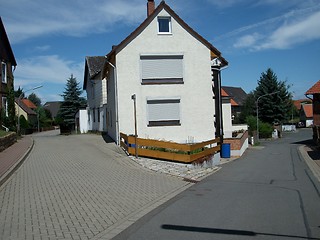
(164,25)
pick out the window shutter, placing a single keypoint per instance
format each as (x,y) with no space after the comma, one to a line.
(164,110)
(162,67)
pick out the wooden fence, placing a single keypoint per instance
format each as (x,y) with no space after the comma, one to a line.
(186,153)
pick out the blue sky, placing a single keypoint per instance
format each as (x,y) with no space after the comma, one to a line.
(51,38)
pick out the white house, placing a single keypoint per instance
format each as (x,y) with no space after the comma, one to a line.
(168,66)
(96,87)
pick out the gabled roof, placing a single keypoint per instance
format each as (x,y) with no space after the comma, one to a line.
(237,94)
(147,21)
(24,107)
(298,103)
(224,94)
(308,111)
(93,66)
(53,107)
(5,48)
(314,89)
(28,103)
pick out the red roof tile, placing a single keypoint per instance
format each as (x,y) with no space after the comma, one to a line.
(224,93)
(308,111)
(29,104)
(314,89)
(297,103)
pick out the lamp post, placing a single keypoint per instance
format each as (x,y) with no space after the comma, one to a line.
(133,97)
(257,103)
(19,103)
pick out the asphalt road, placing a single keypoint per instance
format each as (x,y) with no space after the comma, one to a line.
(269,193)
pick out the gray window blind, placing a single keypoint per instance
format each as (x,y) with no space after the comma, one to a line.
(164,110)
(162,67)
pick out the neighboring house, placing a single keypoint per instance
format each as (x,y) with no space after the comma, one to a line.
(298,103)
(96,88)
(26,108)
(238,97)
(168,67)
(315,92)
(53,107)
(8,65)
(306,114)
(226,114)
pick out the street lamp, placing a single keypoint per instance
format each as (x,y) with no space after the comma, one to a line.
(257,103)
(19,103)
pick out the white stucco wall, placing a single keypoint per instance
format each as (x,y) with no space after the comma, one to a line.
(196,103)
(227,120)
(83,121)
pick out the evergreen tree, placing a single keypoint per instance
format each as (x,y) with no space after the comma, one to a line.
(248,108)
(273,107)
(11,109)
(72,102)
(18,92)
(35,99)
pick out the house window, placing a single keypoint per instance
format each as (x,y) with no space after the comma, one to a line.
(5,106)
(88,115)
(94,114)
(4,72)
(164,25)
(98,112)
(162,69)
(163,112)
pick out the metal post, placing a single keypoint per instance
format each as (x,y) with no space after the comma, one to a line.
(133,97)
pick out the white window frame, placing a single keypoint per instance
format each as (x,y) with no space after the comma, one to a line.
(162,69)
(165,119)
(3,72)
(169,23)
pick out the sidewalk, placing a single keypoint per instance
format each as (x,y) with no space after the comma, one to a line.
(12,157)
(311,155)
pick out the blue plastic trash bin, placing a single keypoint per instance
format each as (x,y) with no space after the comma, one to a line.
(225,150)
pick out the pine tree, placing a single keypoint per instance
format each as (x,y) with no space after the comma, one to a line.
(276,104)
(35,99)
(72,102)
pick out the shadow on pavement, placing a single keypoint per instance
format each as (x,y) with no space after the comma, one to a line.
(107,139)
(313,150)
(228,231)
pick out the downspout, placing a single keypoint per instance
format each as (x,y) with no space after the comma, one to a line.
(216,73)
(116,100)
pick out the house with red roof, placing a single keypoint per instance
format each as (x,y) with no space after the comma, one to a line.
(26,108)
(306,114)
(314,91)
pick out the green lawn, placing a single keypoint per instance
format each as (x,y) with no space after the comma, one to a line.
(3,133)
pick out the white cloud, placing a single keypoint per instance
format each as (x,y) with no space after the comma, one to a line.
(247,40)
(289,35)
(71,18)
(225,3)
(46,69)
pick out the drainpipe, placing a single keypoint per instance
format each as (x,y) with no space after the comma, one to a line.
(216,74)
(116,100)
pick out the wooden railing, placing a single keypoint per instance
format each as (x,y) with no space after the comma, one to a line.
(186,153)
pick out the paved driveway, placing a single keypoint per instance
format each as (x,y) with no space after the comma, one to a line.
(79,187)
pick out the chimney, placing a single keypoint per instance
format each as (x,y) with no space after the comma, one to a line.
(150,7)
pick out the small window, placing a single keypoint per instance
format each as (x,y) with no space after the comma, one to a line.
(98,112)
(88,115)
(163,112)
(4,72)
(94,114)
(164,24)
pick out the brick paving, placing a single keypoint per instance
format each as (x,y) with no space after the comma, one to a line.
(10,157)
(79,187)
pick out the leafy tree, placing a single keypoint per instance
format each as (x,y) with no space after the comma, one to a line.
(72,102)
(35,99)
(11,109)
(273,108)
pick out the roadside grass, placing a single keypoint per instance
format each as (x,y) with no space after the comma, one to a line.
(3,133)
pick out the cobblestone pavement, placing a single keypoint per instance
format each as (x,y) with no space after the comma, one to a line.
(79,187)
